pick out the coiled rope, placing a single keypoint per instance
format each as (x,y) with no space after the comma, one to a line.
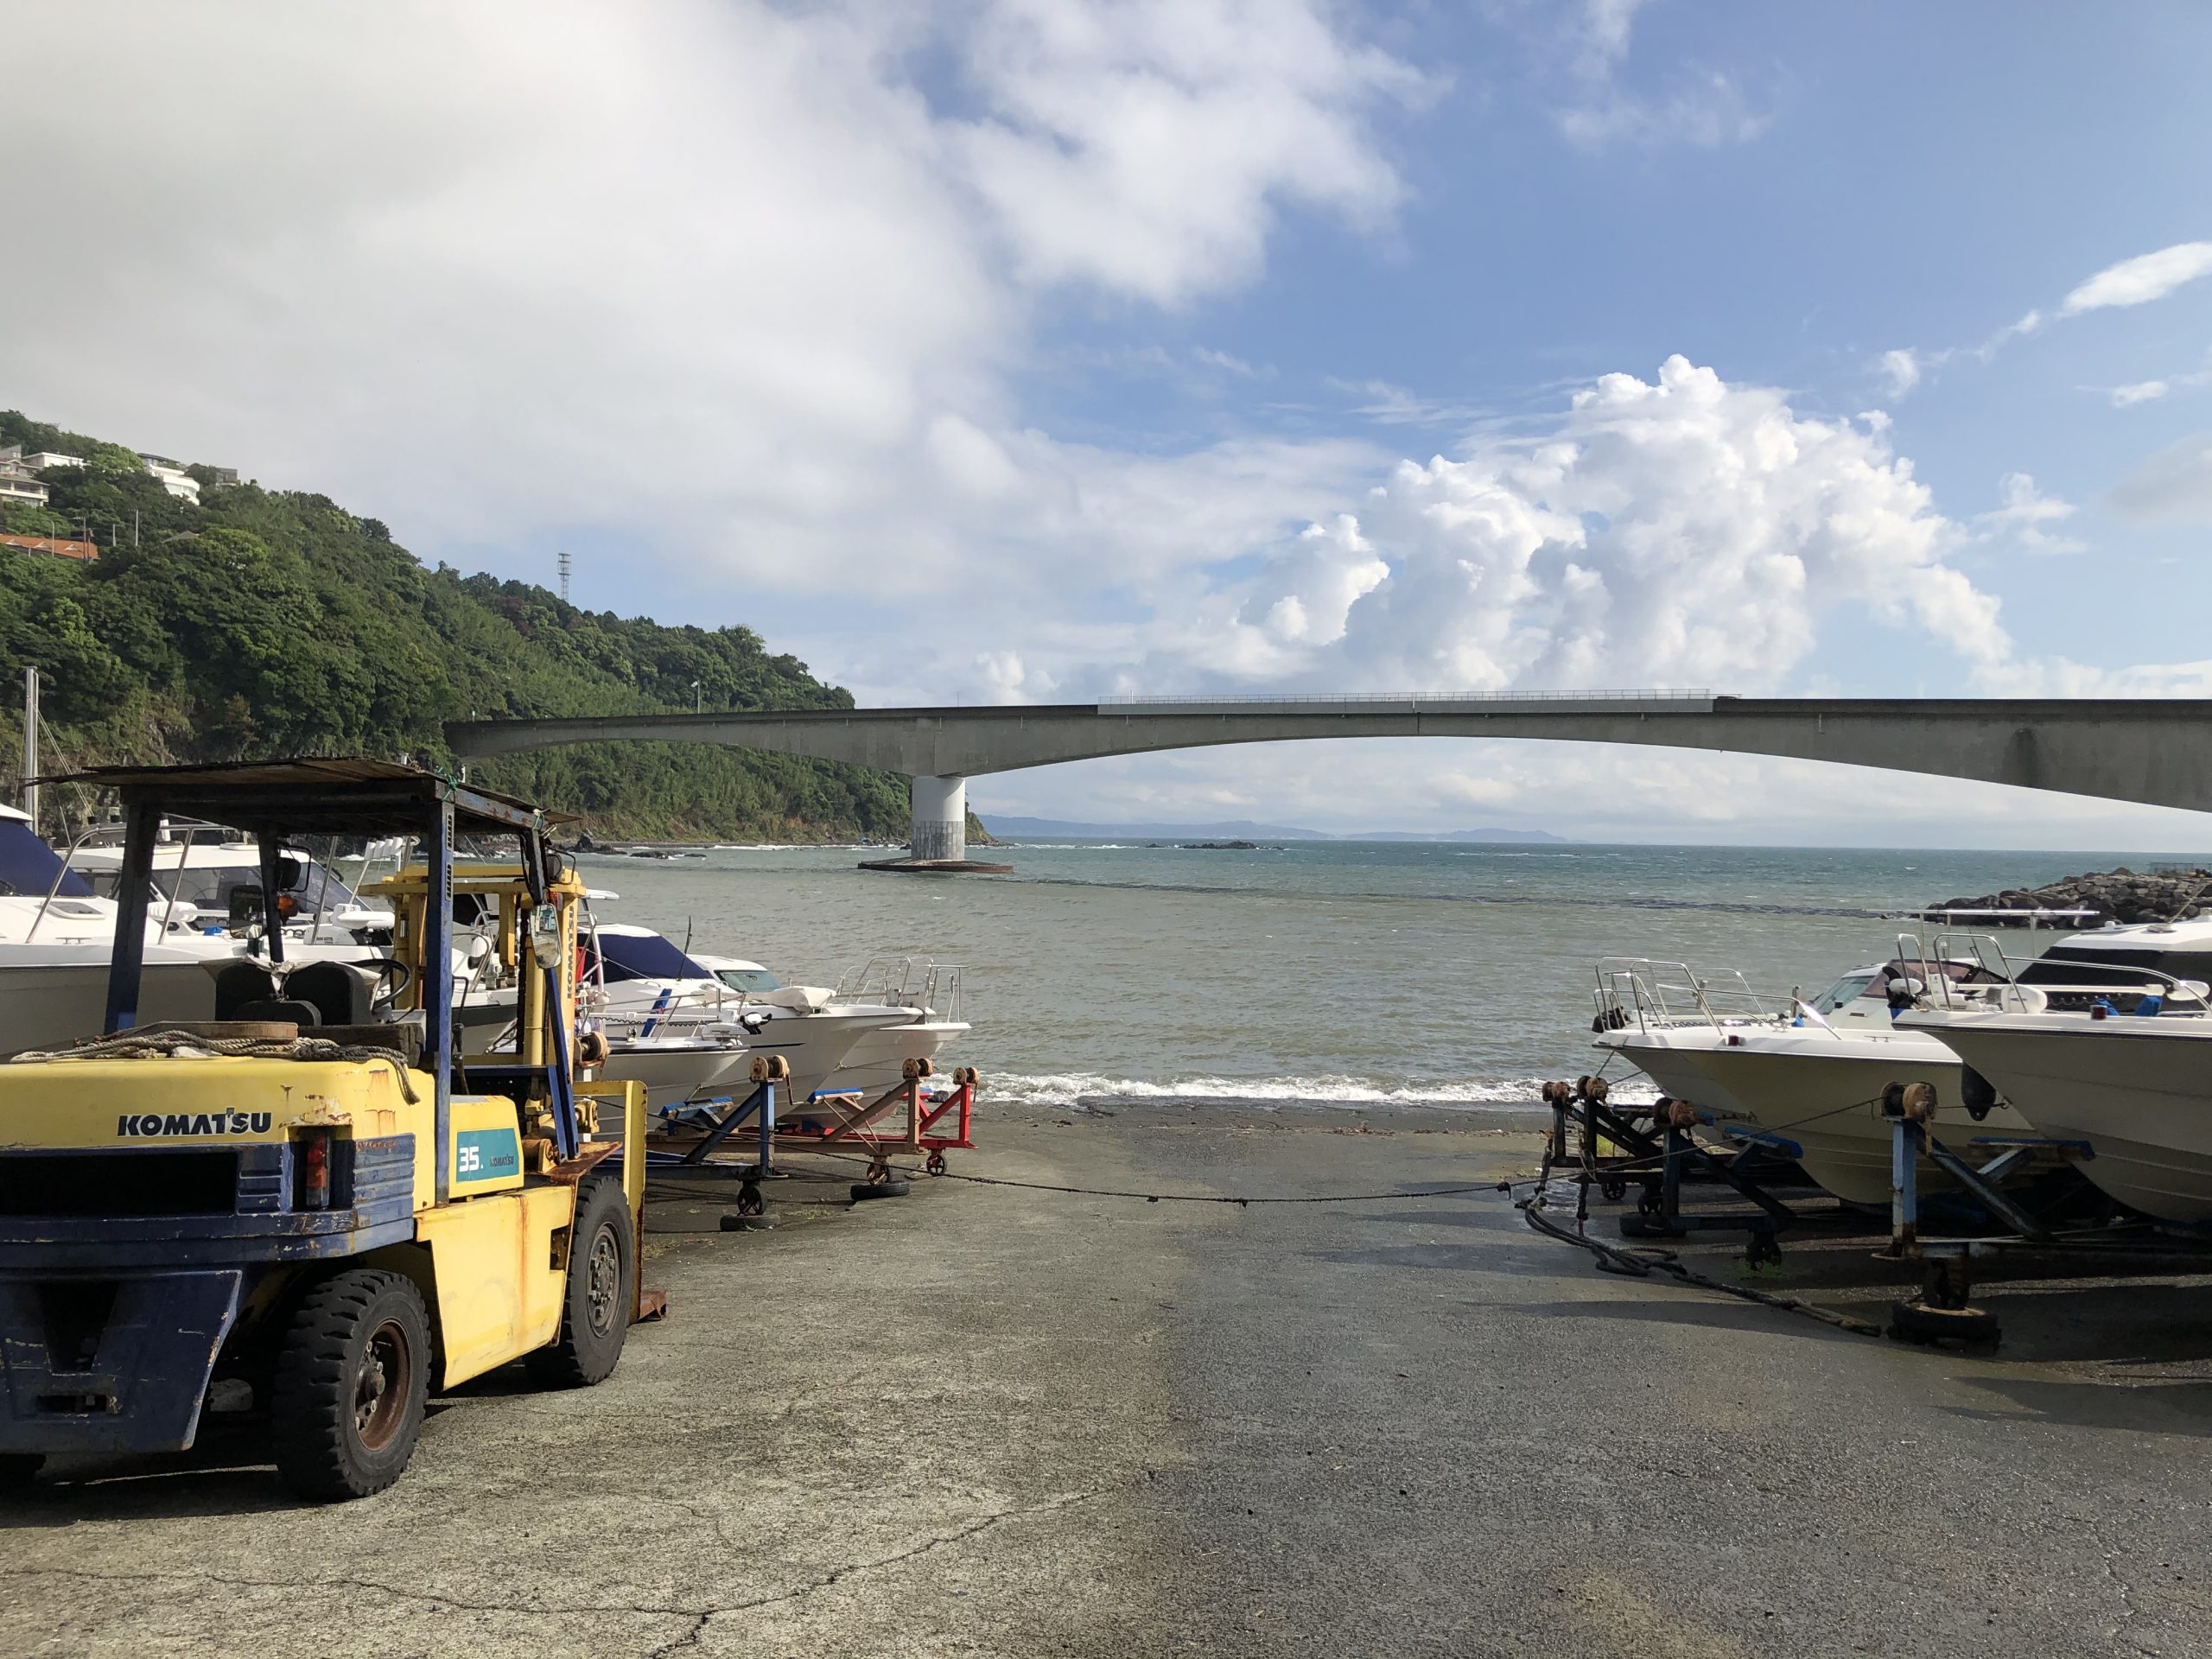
(184,1045)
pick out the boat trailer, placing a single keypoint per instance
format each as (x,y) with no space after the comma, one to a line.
(691,1135)
(1652,1146)
(1943,1311)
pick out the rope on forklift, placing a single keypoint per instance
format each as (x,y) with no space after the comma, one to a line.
(171,1044)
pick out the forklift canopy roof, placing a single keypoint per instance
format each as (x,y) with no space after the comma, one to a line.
(316,797)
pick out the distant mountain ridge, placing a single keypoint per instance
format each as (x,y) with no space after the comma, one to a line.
(1005,824)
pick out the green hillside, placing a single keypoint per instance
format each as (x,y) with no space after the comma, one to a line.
(266,622)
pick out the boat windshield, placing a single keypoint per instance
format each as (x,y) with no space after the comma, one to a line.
(641,955)
(1849,989)
(211,887)
(753,981)
(27,865)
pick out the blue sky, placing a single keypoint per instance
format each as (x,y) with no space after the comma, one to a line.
(1031,349)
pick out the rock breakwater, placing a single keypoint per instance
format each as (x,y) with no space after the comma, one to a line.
(2118,895)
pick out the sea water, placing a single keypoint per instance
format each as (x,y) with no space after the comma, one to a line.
(1450,976)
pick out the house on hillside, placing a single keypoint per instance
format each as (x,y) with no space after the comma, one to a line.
(61,547)
(19,484)
(178,482)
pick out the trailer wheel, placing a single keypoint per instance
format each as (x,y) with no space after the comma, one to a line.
(19,1469)
(596,1303)
(1916,1322)
(352,1377)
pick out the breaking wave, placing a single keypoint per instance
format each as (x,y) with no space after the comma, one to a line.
(1082,1087)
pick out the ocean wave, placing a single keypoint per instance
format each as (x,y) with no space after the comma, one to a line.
(1075,1088)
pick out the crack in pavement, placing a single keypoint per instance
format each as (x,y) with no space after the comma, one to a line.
(701,1617)
(2129,1610)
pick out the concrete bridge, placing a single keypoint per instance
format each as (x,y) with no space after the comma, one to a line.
(2158,752)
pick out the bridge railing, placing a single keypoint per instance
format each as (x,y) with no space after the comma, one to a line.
(1380,702)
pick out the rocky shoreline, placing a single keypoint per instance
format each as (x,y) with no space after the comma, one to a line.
(2120,896)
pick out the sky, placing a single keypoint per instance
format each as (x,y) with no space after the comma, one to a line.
(1036,350)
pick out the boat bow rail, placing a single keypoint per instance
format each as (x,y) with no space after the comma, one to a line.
(923,983)
(1655,995)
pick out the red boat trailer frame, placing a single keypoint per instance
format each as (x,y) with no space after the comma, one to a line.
(862,1126)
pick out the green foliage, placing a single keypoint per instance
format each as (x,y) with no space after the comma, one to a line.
(262,623)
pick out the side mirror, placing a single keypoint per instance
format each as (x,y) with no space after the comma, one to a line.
(545,935)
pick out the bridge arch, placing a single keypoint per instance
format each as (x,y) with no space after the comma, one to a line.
(2157,752)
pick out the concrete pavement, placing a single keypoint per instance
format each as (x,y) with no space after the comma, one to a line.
(988,1420)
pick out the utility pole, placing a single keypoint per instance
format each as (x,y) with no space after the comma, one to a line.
(30,745)
(698,698)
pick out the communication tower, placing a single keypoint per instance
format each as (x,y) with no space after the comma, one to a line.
(564,577)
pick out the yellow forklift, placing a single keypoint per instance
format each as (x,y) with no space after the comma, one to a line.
(306,1215)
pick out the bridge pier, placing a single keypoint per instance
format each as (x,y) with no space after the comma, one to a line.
(940,807)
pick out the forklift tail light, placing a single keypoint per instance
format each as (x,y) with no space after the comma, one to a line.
(312,1153)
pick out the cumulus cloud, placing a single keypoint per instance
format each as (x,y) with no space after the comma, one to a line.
(1683,531)
(2172,487)
(2139,281)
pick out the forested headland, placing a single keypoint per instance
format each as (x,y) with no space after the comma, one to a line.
(265,622)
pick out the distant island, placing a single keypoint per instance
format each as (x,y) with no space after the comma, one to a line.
(1006,824)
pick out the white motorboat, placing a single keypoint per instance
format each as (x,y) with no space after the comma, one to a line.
(639,984)
(220,882)
(56,934)
(2137,1093)
(1809,1073)
(929,989)
(679,1069)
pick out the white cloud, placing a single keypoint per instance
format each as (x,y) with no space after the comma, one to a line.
(1703,106)
(1143,146)
(2131,282)
(2143,391)
(2172,487)
(715,273)
(1681,531)
(1706,108)
(2027,516)
(2136,282)
(2147,391)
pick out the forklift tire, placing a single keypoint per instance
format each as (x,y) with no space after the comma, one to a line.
(596,1303)
(352,1377)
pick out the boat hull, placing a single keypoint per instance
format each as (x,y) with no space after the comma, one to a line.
(1820,1091)
(2141,1098)
(676,1072)
(878,1061)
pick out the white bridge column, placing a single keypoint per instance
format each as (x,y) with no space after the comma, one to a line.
(940,817)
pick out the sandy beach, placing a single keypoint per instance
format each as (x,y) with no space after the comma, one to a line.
(997,1420)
